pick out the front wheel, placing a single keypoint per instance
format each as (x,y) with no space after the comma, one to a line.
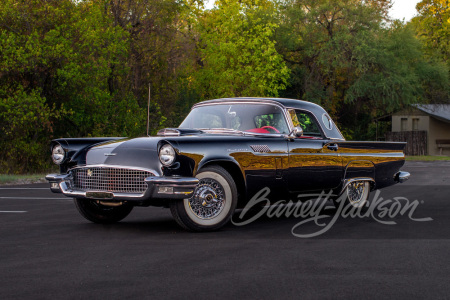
(98,213)
(212,204)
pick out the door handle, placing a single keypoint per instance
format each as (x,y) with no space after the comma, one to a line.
(333,147)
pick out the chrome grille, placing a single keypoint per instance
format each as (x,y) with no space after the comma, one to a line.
(106,179)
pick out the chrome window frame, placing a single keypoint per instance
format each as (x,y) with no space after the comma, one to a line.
(285,110)
(314,116)
(268,102)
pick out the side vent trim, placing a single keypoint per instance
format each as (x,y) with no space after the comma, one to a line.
(261,148)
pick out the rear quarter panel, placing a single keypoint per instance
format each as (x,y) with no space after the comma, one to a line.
(377,160)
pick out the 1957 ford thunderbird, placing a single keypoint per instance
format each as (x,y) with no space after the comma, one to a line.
(221,155)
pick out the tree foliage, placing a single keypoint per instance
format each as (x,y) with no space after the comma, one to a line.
(433,27)
(237,51)
(344,56)
(84,67)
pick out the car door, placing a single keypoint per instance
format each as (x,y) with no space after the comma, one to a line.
(314,160)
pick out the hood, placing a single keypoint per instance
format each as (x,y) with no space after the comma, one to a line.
(138,153)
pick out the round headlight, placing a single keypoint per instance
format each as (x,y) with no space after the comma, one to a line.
(167,155)
(58,154)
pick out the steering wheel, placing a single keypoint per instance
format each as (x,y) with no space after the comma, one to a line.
(270,127)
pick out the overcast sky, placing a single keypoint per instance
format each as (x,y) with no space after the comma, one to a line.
(402,8)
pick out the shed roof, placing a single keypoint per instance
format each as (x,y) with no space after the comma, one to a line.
(439,111)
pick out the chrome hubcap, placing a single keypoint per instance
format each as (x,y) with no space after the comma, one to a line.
(208,199)
(356,192)
(207,196)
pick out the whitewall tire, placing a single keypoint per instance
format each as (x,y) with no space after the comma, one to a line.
(212,204)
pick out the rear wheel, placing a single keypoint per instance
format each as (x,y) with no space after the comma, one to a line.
(356,194)
(212,204)
(98,213)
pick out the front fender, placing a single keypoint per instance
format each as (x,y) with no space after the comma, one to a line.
(220,161)
(76,149)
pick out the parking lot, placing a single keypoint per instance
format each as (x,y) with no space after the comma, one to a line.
(48,251)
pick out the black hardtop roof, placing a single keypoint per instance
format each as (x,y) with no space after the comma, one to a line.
(315,109)
(290,103)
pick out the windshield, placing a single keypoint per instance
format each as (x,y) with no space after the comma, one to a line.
(256,118)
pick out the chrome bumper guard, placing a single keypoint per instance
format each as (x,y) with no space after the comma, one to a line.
(158,188)
(401,176)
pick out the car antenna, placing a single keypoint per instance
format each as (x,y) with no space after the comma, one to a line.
(148,109)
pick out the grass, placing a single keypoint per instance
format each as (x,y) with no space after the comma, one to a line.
(427,158)
(21,179)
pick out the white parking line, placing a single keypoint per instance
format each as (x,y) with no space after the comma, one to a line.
(25,188)
(35,198)
(13,211)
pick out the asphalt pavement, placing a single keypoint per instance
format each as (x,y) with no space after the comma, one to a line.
(48,251)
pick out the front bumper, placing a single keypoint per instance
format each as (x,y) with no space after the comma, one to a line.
(158,188)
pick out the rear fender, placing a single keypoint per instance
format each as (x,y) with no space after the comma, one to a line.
(363,169)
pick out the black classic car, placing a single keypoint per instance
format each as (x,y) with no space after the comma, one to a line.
(223,153)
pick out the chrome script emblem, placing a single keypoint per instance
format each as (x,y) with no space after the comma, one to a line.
(110,154)
(90,173)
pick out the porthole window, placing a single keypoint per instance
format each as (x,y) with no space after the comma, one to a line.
(327,122)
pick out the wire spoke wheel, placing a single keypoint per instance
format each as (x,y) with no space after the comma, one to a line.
(358,193)
(212,204)
(208,199)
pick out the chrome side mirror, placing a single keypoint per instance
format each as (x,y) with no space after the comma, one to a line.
(295,133)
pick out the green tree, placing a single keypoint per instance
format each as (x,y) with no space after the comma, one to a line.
(59,64)
(162,52)
(319,40)
(237,51)
(345,56)
(433,27)
(32,45)
(396,73)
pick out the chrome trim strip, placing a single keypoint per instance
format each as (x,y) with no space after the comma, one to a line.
(172,181)
(374,142)
(168,132)
(336,139)
(385,154)
(242,100)
(56,177)
(116,196)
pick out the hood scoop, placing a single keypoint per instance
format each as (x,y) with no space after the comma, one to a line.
(178,132)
